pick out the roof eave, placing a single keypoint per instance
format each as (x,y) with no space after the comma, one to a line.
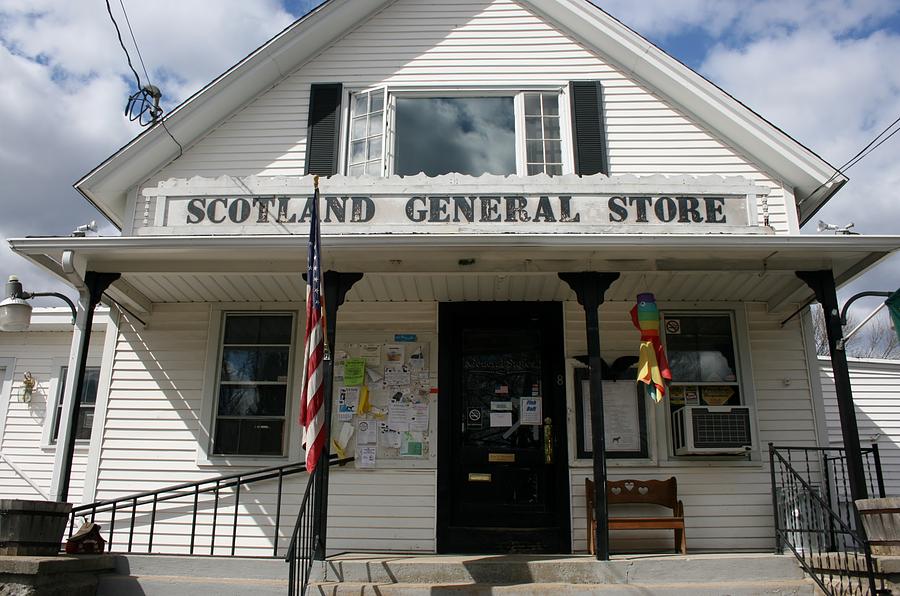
(773,149)
(106,185)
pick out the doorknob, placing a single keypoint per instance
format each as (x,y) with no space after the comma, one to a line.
(548,440)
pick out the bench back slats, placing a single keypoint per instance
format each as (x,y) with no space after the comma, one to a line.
(653,492)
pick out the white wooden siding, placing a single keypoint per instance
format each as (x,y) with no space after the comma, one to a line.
(154,425)
(727,507)
(876,395)
(468,43)
(26,461)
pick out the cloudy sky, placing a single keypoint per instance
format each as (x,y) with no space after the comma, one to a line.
(822,70)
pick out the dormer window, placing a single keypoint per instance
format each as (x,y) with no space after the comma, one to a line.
(406,133)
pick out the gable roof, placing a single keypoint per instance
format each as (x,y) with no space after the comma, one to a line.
(814,180)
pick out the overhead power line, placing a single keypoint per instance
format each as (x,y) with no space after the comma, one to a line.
(143,105)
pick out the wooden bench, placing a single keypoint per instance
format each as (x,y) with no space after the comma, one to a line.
(652,492)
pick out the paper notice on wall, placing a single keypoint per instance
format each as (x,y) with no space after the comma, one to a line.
(366,457)
(398,416)
(531,411)
(396,375)
(411,444)
(418,360)
(371,353)
(354,372)
(348,403)
(394,353)
(366,432)
(418,417)
(501,419)
(390,438)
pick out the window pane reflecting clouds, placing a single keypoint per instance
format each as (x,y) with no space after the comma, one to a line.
(466,135)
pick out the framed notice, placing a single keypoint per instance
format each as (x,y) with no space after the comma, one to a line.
(624,414)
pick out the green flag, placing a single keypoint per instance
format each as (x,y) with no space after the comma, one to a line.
(893,304)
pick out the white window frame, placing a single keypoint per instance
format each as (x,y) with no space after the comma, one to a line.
(53,397)
(740,331)
(291,450)
(517,93)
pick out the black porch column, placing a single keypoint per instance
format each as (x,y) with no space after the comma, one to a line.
(95,284)
(590,288)
(822,283)
(336,286)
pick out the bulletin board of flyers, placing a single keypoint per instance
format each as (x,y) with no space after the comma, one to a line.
(385,401)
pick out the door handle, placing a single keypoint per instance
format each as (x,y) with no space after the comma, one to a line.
(548,440)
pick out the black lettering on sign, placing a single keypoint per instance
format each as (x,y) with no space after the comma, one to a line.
(565,211)
(618,212)
(262,215)
(466,206)
(641,203)
(307,211)
(665,209)
(715,210)
(195,209)
(417,215)
(689,210)
(516,209)
(490,209)
(363,209)
(211,211)
(544,211)
(239,211)
(283,211)
(336,206)
(437,209)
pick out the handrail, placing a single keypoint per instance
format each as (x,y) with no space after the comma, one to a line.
(190,492)
(831,549)
(306,545)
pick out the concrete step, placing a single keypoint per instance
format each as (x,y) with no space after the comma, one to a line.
(145,575)
(524,569)
(758,588)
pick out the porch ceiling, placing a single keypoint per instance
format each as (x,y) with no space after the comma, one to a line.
(462,267)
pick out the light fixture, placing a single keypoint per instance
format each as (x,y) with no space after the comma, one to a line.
(15,312)
(28,383)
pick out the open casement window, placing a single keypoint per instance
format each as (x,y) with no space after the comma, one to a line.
(253,382)
(709,412)
(405,133)
(367,133)
(88,403)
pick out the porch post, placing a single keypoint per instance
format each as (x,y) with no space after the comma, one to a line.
(822,283)
(95,284)
(336,286)
(590,288)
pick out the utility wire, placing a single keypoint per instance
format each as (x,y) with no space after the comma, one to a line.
(136,47)
(864,152)
(143,105)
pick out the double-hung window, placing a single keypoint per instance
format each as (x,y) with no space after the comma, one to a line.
(88,402)
(408,133)
(253,383)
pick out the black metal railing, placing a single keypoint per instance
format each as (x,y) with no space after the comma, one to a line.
(304,544)
(208,510)
(815,517)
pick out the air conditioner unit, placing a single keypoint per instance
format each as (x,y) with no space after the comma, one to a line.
(712,430)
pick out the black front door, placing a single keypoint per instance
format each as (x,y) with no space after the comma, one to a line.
(502,463)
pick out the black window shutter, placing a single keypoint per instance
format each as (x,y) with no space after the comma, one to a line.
(323,128)
(588,128)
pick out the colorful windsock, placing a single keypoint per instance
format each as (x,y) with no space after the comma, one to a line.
(653,368)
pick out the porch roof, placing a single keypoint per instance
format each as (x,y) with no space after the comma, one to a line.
(427,267)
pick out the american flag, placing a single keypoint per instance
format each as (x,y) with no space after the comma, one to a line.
(312,414)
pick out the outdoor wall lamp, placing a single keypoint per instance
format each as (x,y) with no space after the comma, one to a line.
(28,383)
(15,312)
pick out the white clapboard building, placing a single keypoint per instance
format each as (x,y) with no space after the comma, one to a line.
(491,172)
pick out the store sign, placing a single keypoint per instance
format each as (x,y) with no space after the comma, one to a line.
(396,206)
